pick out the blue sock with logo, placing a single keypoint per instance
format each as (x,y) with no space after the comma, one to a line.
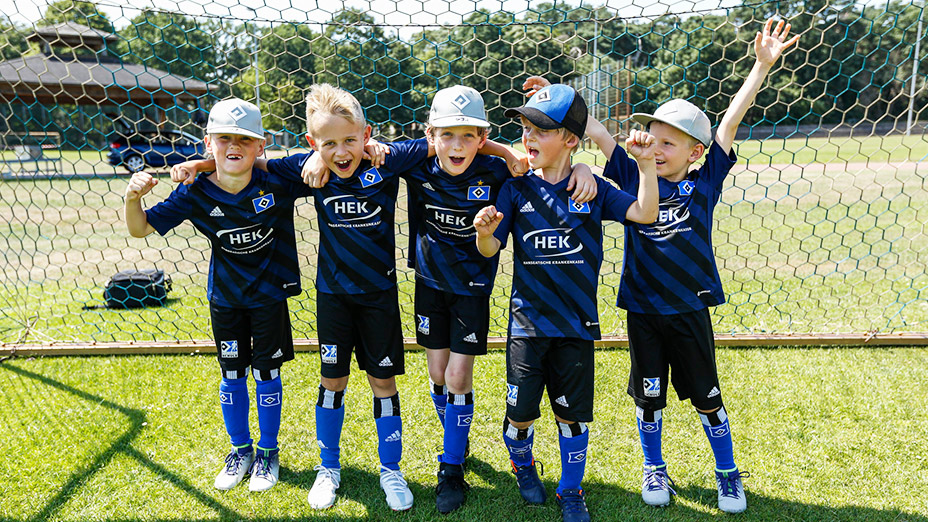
(650,425)
(330,415)
(719,433)
(458,418)
(233,397)
(519,443)
(574,439)
(269,394)
(439,393)
(389,430)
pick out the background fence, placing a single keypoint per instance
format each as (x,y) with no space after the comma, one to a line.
(821,229)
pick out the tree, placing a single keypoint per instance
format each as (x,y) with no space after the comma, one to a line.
(81,12)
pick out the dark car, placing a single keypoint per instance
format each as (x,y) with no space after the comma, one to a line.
(154,149)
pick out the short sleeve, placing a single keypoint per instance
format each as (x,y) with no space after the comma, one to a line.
(622,169)
(615,202)
(172,211)
(505,205)
(717,165)
(407,154)
(289,168)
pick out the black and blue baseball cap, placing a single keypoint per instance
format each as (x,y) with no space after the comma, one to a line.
(553,107)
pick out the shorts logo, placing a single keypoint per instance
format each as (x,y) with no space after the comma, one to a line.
(576,456)
(423,326)
(225,398)
(465,420)
(652,387)
(578,208)
(471,338)
(329,353)
(562,400)
(278,354)
(228,349)
(719,431)
(715,391)
(512,394)
(263,203)
(386,362)
(269,399)
(370,177)
(478,193)
(686,187)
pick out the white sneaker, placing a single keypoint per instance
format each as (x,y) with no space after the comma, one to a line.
(394,485)
(656,486)
(234,470)
(732,498)
(264,473)
(322,495)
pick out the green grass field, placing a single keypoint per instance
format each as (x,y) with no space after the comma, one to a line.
(828,435)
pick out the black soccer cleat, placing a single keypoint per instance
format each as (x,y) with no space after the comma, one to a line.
(530,486)
(449,493)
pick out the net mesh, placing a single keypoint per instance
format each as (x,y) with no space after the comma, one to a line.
(821,226)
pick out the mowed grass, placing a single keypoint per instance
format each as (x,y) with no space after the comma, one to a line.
(828,435)
(801,245)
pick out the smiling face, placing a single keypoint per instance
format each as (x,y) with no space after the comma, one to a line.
(675,151)
(235,154)
(456,147)
(340,141)
(546,147)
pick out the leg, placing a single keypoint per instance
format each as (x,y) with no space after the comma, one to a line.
(459,375)
(432,333)
(525,382)
(438,363)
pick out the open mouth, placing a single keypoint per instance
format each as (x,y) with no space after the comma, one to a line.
(457,161)
(343,165)
(233,157)
(532,152)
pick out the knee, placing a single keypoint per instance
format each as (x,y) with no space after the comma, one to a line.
(335,385)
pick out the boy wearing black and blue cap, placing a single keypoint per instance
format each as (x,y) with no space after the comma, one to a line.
(557,253)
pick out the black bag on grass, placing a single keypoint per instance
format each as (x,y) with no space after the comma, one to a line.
(137,289)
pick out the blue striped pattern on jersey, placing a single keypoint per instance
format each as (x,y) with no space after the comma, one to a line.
(446,255)
(557,255)
(357,252)
(670,264)
(254,257)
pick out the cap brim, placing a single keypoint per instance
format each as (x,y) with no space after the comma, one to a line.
(538,118)
(234,130)
(646,119)
(458,121)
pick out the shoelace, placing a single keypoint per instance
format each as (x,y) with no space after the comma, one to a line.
(394,479)
(658,479)
(728,482)
(523,473)
(572,503)
(327,473)
(233,462)
(262,466)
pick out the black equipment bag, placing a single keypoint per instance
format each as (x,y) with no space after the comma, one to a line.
(137,289)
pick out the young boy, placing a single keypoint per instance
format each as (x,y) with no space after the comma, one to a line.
(670,277)
(453,280)
(557,252)
(248,218)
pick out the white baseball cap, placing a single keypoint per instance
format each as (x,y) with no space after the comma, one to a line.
(235,116)
(457,106)
(684,116)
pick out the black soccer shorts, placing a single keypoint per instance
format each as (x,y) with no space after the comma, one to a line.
(256,337)
(562,365)
(458,322)
(368,324)
(681,344)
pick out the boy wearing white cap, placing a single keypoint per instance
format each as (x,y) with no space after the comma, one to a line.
(247,215)
(670,278)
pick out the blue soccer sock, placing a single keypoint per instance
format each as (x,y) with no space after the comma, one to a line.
(519,443)
(233,397)
(439,393)
(269,392)
(574,440)
(459,415)
(389,430)
(330,415)
(650,424)
(719,433)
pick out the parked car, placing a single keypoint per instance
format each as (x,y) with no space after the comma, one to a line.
(154,149)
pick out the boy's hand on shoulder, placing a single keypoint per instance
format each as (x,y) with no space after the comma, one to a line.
(376,152)
(185,172)
(534,84)
(140,184)
(769,45)
(583,183)
(517,163)
(640,144)
(315,173)
(487,220)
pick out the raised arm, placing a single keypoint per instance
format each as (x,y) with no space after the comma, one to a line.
(516,161)
(641,145)
(600,136)
(486,222)
(768,46)
(140,184)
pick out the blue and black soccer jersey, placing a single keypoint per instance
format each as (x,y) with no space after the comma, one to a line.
(254,257)
(670,264)
(357,252)
(446,255)
(557,253)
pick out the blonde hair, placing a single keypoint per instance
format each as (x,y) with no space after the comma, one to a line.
(328,99)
